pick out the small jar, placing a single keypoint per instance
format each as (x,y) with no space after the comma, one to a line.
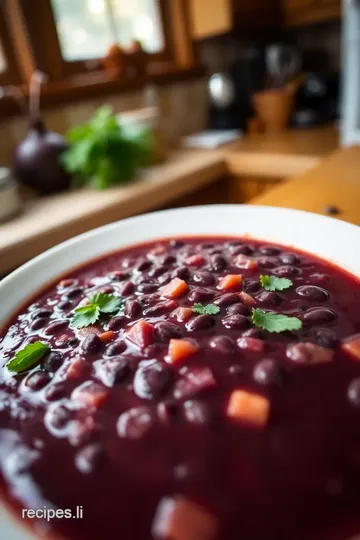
(9,195)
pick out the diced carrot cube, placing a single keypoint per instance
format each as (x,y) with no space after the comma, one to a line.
(247,299)
(176,288)
(181,519)
(232,281)
(251,344)
(107,336)
(242,261)
(141,333)
(352,346)
(183,314)
(196,260)
(76,369)
(249,407)
(90,394)
(180,349)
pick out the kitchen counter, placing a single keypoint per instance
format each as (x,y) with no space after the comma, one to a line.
(336,181)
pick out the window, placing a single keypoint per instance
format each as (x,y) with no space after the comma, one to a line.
(87,28)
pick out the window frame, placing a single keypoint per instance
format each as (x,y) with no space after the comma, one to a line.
(11,73)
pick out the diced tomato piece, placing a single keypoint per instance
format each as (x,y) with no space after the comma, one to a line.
(107,336)
(141,333)
(76,369)
(309,353)
(183,314)
(176,288)
(180,349)
(251,344)
(352,346)
(247,299)
(90,394)
(249,407)
(181,519)
(196,260)
(242,261)
(232,281)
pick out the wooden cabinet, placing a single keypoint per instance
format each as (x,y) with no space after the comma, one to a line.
(253,14)
(299,12)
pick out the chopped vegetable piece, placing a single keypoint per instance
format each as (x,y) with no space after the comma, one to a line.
(141,333)
(183,314)
(90,394)
(247,299)
(195,380)
(196,260)
(352,347)
(249,407)
(76,369)
(107,336)
(210,309)
(308,353)
(251,344)
(275,322)
(28,357)
(273,283)
(181,519)
(242,261)
(232,281)
(176,288)
(180,349)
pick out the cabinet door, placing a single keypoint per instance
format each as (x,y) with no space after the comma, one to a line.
(250,14)
(210,17)
(299,12)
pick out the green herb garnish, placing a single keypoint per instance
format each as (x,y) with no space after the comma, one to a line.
(28,357)
(98,303)
(273,283)
(275,322)
(210,309)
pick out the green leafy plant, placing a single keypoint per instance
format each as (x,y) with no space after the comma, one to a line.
(275,322)
(28,357)
(103,153)
(273,283)
(210,309)
(98,303)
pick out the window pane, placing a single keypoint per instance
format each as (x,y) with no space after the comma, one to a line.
(2,60)
(83,27)
(141,20)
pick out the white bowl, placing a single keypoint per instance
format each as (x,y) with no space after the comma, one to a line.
(326,237)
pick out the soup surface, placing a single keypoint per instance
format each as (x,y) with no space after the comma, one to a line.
(193,389)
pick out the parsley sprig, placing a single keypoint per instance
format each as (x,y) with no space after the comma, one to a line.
(28,357)
(210,309)
(99,303)
(273,283)
(275,322)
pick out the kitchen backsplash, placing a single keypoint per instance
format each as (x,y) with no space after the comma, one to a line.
(183,109)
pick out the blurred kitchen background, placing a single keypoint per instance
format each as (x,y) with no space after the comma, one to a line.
(205,101)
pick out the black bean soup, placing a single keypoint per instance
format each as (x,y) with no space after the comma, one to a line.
(178,395)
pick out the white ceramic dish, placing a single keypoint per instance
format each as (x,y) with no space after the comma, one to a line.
(328,238)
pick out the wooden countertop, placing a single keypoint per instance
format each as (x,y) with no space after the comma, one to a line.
(336,181)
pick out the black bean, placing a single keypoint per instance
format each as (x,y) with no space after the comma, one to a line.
(227,300)
(55,391)
(251,286)
(92,344)
(268,372)
(147,288)
(166,331)
(201,322)
(176,244)
(319,278)
(325,338)
(116,323)
(222,345)
(204,278)
(236,370)
(290,259)
(143,265)
(132,308)
(157,271)
(237,309)
(287,271)
(269,298)
(53,361)
(167,260)
(267,262)
(38,324)
(126,288)
(58,417)
(235,322)
(154,350)
(89,458)
(217,263)
(354,392)
(66,341)
(136,423)
(42,314)
(165,278)
(119,275)
(114,371)
(56,327)
(182,273)
(148,299)
(254,333)
(269,250)
(319,315)
(312,292)
(64,305)
(37,380)
(115,348)
(152,379)
(197,412)
(74,292)
(160,309)
(241,250)
(200,295)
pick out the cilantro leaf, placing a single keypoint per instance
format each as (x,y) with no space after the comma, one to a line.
(275,322)
(107,303)
(28,357)
(210,309)
(273,283)
(85,316)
